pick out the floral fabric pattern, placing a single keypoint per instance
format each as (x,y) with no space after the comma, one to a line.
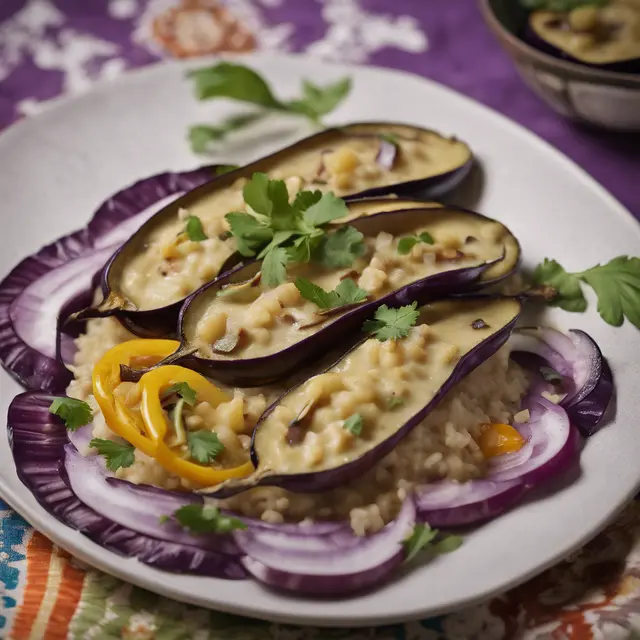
(53,47)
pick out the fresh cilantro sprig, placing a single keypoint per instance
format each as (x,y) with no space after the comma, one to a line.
(408,242)
(238,82)
(392,324)
(204,446)
(353,424)
(206,519)
(184,391)
(116,454)
(74,413)
(347,292)
(616,283)
(279,232)
(560,5)
(424,537)
(193,229)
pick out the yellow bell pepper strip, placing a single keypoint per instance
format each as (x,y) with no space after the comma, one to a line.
(154,383)
(121,420)
(497,439)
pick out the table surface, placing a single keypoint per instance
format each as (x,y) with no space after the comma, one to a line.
(51,47)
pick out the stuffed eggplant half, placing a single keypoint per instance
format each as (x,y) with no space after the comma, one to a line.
(187,243)
(605,35)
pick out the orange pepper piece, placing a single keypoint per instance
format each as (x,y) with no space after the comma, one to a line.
(497,439)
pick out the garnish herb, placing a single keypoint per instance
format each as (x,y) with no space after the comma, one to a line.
(550,375)
(390,137)
(395,402)
(280,233)
(560,5)
(353,424)
(204,446)
(184,391)
(238,82)
(408,242)
(206,519)
(74,413)
(392,324)
(194,229)
(220,170)
(423,536)
(347,292)
(616,283)
(116,454)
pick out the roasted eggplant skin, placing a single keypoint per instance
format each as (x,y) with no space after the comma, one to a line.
(314,482)
(274,367)
(162,321)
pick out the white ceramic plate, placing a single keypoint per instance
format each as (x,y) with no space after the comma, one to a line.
(56,168)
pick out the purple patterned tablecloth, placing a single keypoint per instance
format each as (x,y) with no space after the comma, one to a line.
(54,47)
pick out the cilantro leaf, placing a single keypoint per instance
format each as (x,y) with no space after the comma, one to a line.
(256,194)
(347,292)
(449,543)
(206,518)
(392,324)
(235,81)
(341,248)
(319,101)
(327,208)
(221,169)
(116,454)
(274,270)
(74,413)
(184,391)
(353,424)
(421,536)
(249,232)
(395,401)
(569,293)
(194,229)
(392,138)
(408,242)
(201,136)
(304,199)
(204,446)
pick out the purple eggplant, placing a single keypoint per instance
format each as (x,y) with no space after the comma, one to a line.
(220,361)
(283,439)
(605,27)
(432,166)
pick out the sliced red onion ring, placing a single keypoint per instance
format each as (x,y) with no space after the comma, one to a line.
(330,565)
(587,378)
(452,504)
(33,294)
(387,153)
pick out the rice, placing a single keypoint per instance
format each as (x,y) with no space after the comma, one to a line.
(444,445)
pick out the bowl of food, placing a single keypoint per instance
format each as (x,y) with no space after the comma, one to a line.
(581,57)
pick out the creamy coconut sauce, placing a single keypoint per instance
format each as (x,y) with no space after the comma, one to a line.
(595,35)
(384,383)
(170,266)
(259,323)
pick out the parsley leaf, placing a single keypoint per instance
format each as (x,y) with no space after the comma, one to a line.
(327,208)
(204,446)
(274,270)
(395,401)
(221,169)
(184,391)
(250,234)
(194,229)
(74,413)
(390,137)
(569,295)
(408,242)
(304,199)
(423,536)
(206,519)
(616,283)
(347,292)
(392,324)
(341,248)
(241,83)
(116,454)
(353,424)
(318,101)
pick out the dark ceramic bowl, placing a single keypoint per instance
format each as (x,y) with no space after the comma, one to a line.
(605,99)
